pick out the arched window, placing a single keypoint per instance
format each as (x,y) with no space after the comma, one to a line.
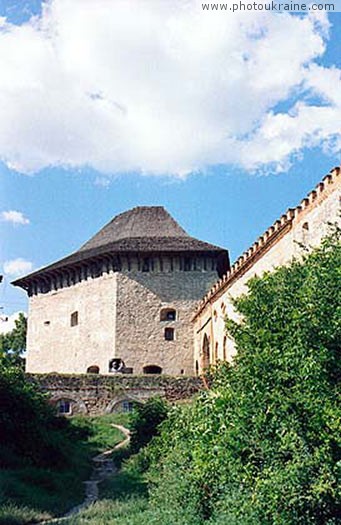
(94,369)
(205,352)
(168,314)
(74,319)
(169,334)
(152,369)
(224,348)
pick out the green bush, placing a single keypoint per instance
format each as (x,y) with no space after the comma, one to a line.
(262,447)
(145,422)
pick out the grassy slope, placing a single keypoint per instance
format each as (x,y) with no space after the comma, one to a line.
(29,493)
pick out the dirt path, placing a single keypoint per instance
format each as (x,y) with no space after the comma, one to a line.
(102,469)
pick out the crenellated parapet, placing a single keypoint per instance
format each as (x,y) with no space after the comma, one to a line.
(275,232)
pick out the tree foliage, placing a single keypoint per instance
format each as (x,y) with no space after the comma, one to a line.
(13,344)
(262,447)
(145,422)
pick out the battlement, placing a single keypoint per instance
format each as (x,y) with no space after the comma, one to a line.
(272,235)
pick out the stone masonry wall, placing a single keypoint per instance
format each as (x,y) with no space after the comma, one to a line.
(93,395)
(119,317)
(53,345)
(308,226)
(140,336)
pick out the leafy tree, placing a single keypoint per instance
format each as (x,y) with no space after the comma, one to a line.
(13,344)
(262,447)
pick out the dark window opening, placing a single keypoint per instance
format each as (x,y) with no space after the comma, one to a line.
(117,266)
(74,319)
(305,226)
(152,369)
(64,406)
(127,406)
(96,270)
(116,365)
(168,314)
(224,348)
(94,369)
(169,334)
(196,368)
(46,323)
(187,264)
(146,265)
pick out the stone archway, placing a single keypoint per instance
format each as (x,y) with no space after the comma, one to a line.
(205,362)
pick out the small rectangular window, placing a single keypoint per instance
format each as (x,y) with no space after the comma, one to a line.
(64,407)
(74,319)
(169,334)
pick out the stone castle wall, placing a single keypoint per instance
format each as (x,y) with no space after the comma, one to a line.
(119,317)
(305,225)
(93,395)
(140,335)
(53,345)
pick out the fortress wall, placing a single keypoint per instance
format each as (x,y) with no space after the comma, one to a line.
(307,224)
(92,394)
(60,347)
(140,338)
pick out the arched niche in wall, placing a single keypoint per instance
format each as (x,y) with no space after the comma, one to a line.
(93,369)
(205,352)
(168,314)
(67,405)
(122,404)
(152,369)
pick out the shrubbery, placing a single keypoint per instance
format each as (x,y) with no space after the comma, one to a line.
(262,447)
(146,420)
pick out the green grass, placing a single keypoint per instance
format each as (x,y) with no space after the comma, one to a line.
(103,435)
(123,501)
(29,494)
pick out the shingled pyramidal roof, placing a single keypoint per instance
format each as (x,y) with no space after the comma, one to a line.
(140,230)
(141,222)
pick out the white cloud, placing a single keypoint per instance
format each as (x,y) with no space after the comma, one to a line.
(17,267)
(7,323)
(15,217)
(162,87)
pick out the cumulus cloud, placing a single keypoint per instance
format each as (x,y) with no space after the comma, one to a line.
(163,87)
(17,267)
(8,322)
(15,217)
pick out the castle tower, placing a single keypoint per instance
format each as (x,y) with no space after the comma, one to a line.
(123,302)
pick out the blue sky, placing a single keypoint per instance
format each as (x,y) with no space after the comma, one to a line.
(225,131)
